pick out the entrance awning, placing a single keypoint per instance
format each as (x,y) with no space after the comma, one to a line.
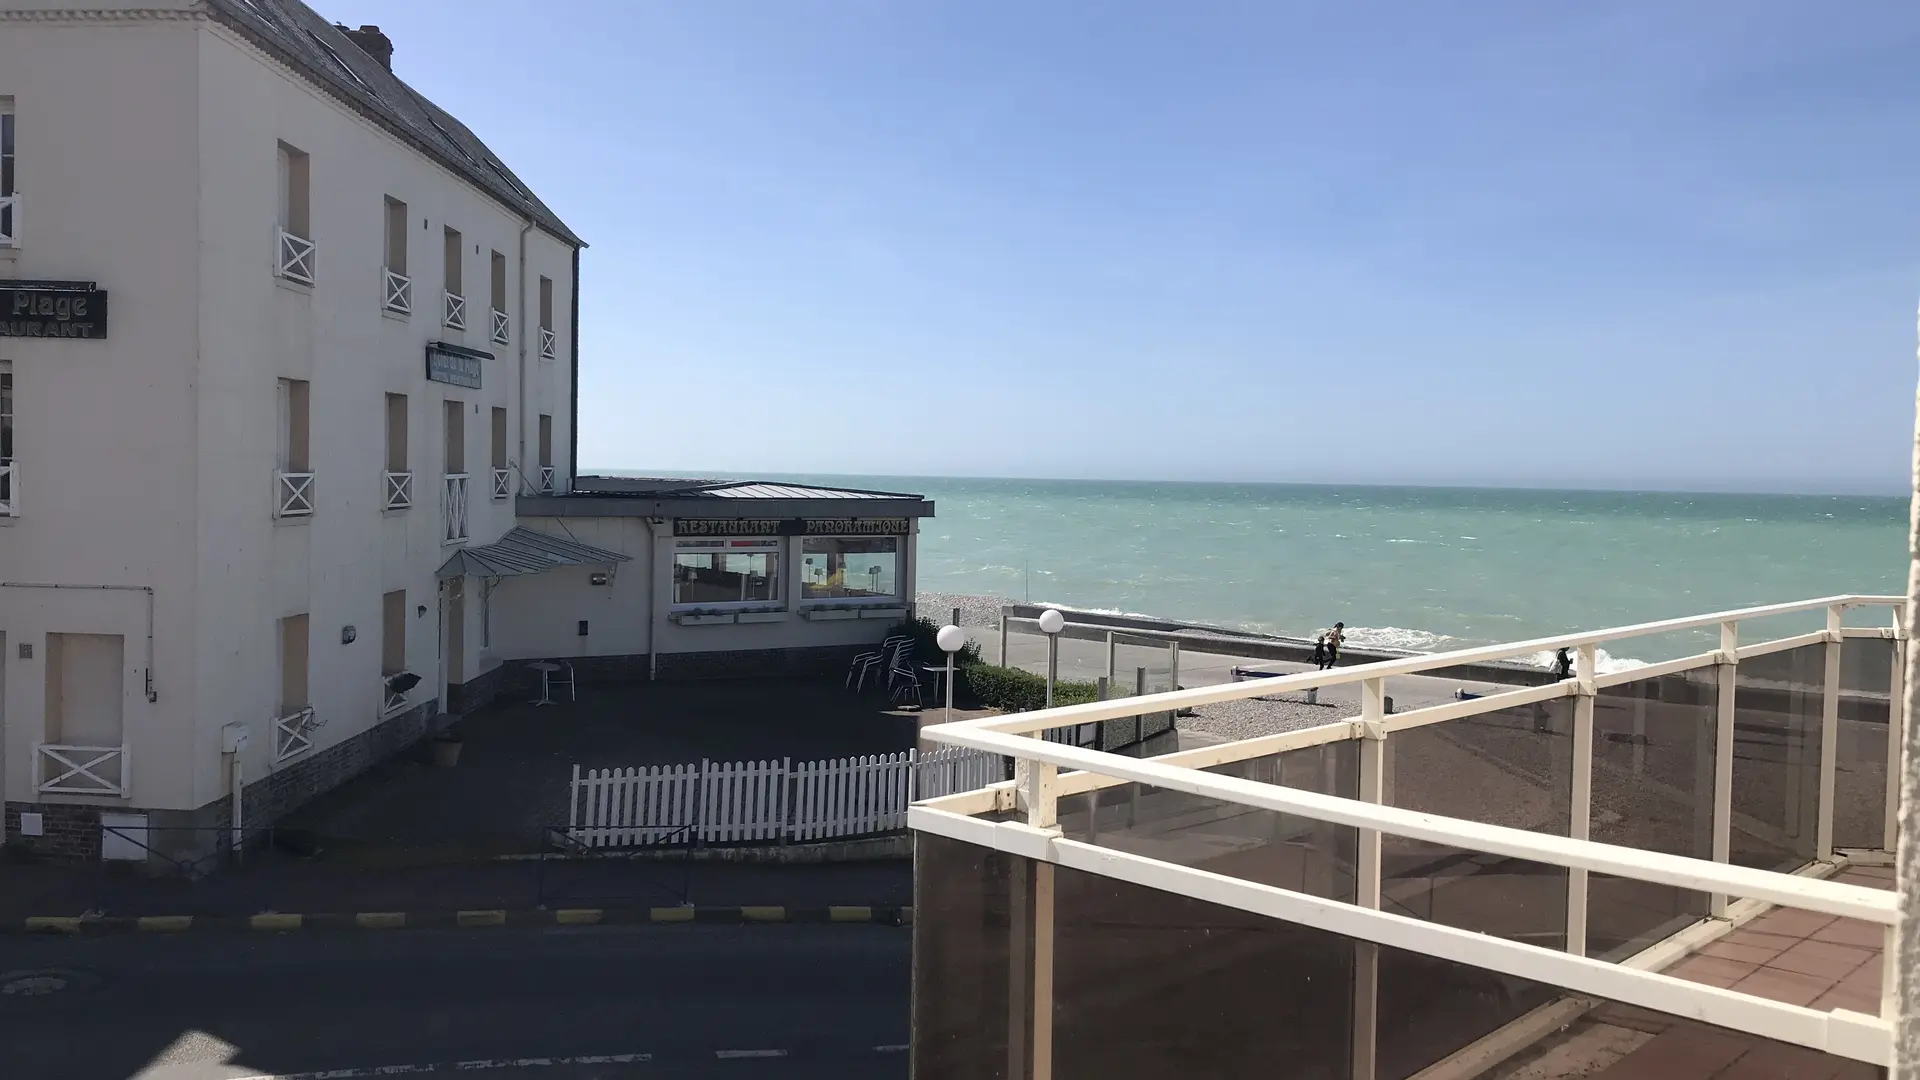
(523,551)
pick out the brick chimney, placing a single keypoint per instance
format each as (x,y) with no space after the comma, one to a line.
(372,42)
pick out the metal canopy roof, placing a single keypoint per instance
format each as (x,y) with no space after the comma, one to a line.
(666,488)
(523,551)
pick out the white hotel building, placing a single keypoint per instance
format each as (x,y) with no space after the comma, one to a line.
(284,349)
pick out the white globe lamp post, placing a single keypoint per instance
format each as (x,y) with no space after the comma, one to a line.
(951,640)
(1051,623)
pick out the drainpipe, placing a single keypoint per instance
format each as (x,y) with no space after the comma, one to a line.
(521,464)
(152,694)
(573,381)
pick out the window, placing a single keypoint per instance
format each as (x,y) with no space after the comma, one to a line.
(546,441)
(456,437)
(710,572)
(6,439)
(499,437)
(293,449)
(456,299)
(295,191)
(850,568)
(397,433)
(396,236)
(9,194)
(293,664)
(500,335)
(546,303)
(393,632)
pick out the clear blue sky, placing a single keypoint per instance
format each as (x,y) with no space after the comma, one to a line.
(1631,244)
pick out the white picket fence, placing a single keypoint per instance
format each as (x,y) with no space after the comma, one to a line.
(730,802)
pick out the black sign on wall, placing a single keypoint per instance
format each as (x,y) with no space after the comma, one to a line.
(52,309)
(455,365)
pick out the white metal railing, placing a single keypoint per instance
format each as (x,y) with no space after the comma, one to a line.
(62,769)
(293,733)
(10,487)
(502,483)
(399,490)
(10,220)
(453,504)
(546,343)
(499,327)
(1040,782)
(294,258)
(456,311)
(390,699)
(293,493)
(546,479)
(398,292)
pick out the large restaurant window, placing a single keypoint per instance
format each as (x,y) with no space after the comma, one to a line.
(849,567)
(709,572)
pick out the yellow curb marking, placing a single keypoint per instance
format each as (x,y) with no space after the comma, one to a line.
(577,916)
(480,918)
(380,920)
(850,914)
(764,914)
(671,914)
(165,924)
(274,921)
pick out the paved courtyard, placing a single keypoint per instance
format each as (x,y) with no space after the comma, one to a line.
(516,759)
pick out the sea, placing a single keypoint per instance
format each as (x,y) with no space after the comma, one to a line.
(1416,568)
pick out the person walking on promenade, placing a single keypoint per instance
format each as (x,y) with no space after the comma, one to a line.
(1335,638)
(1563,664)
(1320,653)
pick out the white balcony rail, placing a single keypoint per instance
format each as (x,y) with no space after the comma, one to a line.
(391,700)
(398,292)
(456,311)
(399,490)
(502,483)
(546,343)
(10,487)
(546,479)
(293,494)
(453,504)
(10,220)
(499,327)
(1043,777)
(294,258)
(293,733)
(62,769)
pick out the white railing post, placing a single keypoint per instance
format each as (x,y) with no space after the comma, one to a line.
(1580,802)
(1726,674)
(500,325)
(1829,737)
(454,506)
(1896,738)
(1366,956)
(546,344)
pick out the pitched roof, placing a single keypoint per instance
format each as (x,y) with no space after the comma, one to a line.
(663,488)
(317,49)
(523,551)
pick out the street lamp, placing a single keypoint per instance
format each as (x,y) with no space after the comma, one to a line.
(1051,623)
(951,638)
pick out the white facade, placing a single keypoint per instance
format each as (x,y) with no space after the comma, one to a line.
(152,157)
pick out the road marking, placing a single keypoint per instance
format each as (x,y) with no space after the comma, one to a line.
(671,914)
(476,1065)
(726,1054)
(380,920)
(850,914)
(577,916)
(165,924)
(267,920)
(480,918)
(763,914)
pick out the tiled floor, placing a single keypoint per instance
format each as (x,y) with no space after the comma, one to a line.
(1799,957)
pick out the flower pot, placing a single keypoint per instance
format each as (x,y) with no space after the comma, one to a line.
(446,753)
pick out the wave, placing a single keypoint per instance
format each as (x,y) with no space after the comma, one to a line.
(1604,663)
(1396,637)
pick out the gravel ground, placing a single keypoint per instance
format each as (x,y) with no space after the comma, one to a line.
(974,610)
(1251,718)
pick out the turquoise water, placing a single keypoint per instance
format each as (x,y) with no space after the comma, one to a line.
(1417,568)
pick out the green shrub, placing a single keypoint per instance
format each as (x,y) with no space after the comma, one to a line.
(926,643)
(1015,690)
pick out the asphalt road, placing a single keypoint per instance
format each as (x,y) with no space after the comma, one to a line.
(621,1003)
